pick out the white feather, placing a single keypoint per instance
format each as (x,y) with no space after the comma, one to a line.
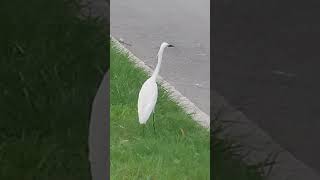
(147,100)
(149,91)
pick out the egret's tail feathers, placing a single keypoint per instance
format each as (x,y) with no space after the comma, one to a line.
(143,120)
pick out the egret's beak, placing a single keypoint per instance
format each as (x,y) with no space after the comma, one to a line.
(170,45)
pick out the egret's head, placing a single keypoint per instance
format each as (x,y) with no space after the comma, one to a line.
(164,45)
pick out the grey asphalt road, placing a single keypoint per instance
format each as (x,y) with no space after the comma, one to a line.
(266,63)
(146,24)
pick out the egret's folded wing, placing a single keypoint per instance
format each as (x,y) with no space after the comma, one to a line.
(147,99)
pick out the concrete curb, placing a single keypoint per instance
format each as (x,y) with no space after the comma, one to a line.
(260,144)
(199,116)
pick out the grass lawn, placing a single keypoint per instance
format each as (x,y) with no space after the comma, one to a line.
(179,149)
(51,63)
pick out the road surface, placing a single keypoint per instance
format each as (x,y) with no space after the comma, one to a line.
(266,63)
(184,23)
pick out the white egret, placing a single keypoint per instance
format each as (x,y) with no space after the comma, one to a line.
(149,92)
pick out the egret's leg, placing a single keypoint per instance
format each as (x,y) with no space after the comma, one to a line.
(143,126)
(154,129)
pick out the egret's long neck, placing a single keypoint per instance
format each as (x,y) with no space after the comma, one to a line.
(156,71)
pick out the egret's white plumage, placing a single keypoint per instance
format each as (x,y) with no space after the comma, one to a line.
(149,91)
(147,100)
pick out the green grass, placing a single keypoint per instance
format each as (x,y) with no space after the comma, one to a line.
(180,148)
(51,63)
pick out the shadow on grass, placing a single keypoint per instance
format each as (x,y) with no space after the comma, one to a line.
(51,62)
(229,161)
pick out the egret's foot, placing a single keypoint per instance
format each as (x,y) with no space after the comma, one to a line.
(154,129)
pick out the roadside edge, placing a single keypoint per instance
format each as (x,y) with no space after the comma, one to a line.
(258,145)
(199,116)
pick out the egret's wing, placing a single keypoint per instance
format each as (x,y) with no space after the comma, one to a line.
(147,100)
